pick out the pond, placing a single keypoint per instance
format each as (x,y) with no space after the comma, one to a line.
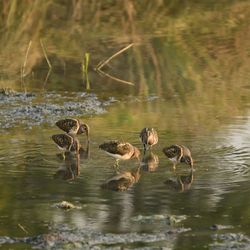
(188,74)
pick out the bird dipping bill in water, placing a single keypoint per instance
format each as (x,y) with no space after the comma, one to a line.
(120,150)
(66,143)
(148,137)
(178,153)
(73,127)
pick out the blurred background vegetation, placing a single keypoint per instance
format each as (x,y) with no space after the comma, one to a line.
(193,55)
(198,50)
(198,43)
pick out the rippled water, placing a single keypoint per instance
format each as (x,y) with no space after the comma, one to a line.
(189,64)
(34,178)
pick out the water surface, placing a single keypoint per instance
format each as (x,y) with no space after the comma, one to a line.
(190,69)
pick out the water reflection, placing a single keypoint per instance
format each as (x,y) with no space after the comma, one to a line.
(84,152)
(150,162)
(194,63)
(181,182)
(69,169)
(122,180)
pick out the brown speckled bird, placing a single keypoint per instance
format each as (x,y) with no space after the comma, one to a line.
(148,137)
(120,150)
(73,127)
(177,154)
(66,143)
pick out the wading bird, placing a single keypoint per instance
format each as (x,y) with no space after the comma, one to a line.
(148,137)
(120,150)
(73,127)
(177,154)
(66,143)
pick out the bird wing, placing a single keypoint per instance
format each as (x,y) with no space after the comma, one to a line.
(124,148)
(110,146)
(68,125)
(63,140)
(116,147)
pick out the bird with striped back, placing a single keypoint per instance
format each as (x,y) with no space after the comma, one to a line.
(73,127)
(66,143)
(120,150)
(178,153)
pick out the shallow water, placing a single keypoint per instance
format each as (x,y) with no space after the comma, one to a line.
(191,76)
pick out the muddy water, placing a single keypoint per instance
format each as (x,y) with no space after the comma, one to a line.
(190,69)
(34,178)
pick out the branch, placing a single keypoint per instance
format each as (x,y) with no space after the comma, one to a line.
(115,78)
(45,54)
(101,64)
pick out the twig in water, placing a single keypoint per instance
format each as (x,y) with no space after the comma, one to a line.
(100,65)
(25,60)
(115,78)
(47,77)
(45,54)
(104,62)
(23,228)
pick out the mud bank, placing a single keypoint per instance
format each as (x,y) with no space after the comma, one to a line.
(30,109)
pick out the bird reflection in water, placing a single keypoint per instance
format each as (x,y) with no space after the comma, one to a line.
(84,152)
(69,169)
(150,162)
(181,182)
(122,181)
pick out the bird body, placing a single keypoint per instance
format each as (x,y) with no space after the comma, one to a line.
(178,153)
(66,143)
(149,137)
(120,150)
(73,127)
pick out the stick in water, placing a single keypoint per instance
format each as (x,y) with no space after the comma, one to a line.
(26,58)
(23,228)
(100,65)
(45,54)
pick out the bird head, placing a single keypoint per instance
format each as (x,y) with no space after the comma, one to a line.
(84,129)
(188,160)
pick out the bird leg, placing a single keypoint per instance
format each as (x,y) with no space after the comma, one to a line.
(116,163)
(174,166)
(63,155)
(116,166)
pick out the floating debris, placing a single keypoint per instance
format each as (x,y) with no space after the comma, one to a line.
(220,227)
(62,237)
(237,241)
(8,95)
(156,218)
(66,205)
